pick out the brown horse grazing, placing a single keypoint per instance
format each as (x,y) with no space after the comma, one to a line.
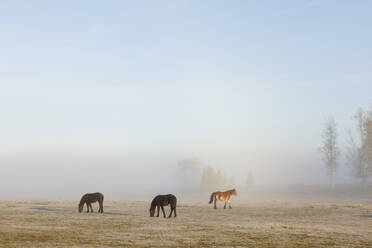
(222,196)
(163,200)
(89,199)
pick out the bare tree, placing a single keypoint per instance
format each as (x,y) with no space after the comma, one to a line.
(359,153)
(329,148)
(368,144)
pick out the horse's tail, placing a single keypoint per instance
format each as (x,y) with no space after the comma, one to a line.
(213,195)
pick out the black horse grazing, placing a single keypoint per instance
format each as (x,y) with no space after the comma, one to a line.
(89,199)
(163,200)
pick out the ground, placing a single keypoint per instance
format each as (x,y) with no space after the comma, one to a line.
(127,224)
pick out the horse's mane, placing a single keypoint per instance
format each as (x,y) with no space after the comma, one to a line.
(153,203)
(82,201)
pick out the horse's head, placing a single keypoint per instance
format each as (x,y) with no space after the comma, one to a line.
(81,207)
(152,212)
(234,192)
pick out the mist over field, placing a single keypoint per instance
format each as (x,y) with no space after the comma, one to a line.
(59,141)
(111,98)
(67,174)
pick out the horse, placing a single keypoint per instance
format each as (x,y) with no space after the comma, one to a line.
(163,200)
(222,196)
(89,199)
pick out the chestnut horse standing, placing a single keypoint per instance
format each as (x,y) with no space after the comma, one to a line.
(163,200)
(89,199)
(222,196)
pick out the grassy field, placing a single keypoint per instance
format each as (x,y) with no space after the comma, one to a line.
(127,224)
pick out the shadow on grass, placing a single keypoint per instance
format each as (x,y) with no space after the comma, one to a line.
(365,216)
(45,209)
(66,211)
(123,214)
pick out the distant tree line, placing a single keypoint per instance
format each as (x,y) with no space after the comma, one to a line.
(359,151)
(215,181)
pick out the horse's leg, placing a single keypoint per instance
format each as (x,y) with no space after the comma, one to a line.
(224,207)
(101,206)
(162,209)
(158,210)
(215,205)
(230,205)
(87,207)
(175,214)
(170,215)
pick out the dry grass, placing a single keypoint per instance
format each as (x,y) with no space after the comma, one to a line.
(126,224)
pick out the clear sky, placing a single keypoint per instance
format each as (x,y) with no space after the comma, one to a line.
(243,85)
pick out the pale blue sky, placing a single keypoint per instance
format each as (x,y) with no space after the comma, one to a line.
(211,79)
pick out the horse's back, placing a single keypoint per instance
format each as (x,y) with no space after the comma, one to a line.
(164,200)
(172,200)
(222,196)
(99,195)
(93,197)
(170,196)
